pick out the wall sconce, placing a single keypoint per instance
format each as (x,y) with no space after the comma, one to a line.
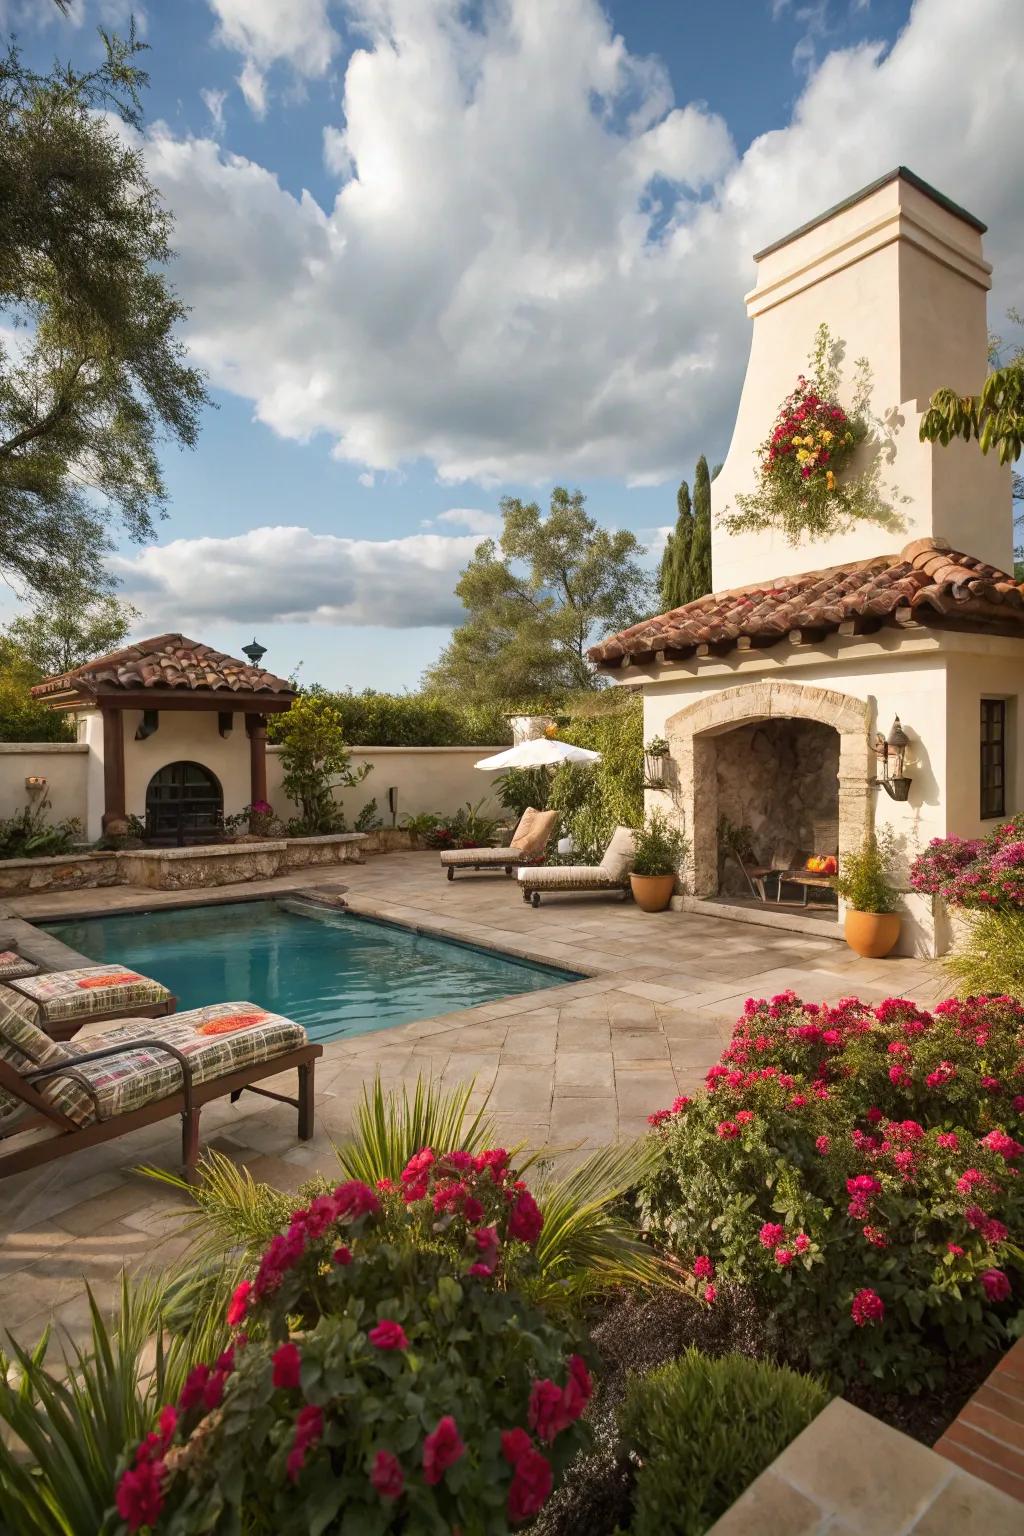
(35,784)
(891,752)
(655,753)
(393,804)
(148,725)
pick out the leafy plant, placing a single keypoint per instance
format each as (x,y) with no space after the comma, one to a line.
(315,763)
(259,819)
(989,955)
(701,1430)
(30,835)
(372,719)
(863,880)
(803,482)
(657,747)
(517,788)
(658,847)
(853,1169)
(422,824)
(391,1125)
(468,828)
(75,1422)
(368,819)
(593,799)
(386,1380)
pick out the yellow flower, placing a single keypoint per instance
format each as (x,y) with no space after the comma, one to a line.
(826,437)
(830,480)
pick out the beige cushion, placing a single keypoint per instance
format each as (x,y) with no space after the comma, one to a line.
(618,856)
(568,877)
(24,1046)
(536,836)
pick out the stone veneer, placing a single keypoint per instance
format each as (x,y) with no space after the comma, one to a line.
(693,785)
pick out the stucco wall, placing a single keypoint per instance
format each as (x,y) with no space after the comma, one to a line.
(427,779)
(62,764)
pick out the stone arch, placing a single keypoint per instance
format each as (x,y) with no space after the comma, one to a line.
(691,733)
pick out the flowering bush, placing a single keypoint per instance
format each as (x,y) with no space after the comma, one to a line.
(857,1169)
(808,449)
(382,1378)
(984,873)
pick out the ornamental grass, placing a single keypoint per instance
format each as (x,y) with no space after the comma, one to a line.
(856,1170)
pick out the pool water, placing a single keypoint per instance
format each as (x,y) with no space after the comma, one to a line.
(337,974)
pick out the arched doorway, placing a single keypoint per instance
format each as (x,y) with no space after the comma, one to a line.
(184,804)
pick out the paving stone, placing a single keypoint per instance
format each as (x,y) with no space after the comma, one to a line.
(770,1507)
(968,1507)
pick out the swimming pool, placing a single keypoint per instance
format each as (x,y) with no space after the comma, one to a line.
(335,973)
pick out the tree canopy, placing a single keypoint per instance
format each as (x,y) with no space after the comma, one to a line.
(64,631)
(676,555)
(92,375)
(537,598)
(995,417)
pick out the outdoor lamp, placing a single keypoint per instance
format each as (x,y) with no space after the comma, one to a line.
(255,652)
(891,752)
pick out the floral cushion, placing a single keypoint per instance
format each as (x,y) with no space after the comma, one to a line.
(23,1045)
(218,1039)
(91,989)
(12,964)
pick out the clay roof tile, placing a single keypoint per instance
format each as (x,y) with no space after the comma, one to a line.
(166,661)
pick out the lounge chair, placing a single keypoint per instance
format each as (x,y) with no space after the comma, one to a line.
(612,874)
(137,1075)
(13,965)
(527,846)
(65,1000)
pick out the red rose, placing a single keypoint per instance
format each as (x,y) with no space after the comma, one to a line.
(441,1450)
(387,1476)
(545,1414)
(515,1443)
(238,1306)
(525,1221)
(388,1335)
(138,1497)
(531,1485)
(287,1363)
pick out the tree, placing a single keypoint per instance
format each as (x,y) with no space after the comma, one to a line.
(995,417)
(537,599)
(698,567)
(316,762)
(64,631)
(23,718)
(91,371)
(674,561)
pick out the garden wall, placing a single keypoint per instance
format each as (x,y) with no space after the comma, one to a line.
(61,763)
(427,779)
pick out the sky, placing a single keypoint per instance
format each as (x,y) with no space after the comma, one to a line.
(438,253)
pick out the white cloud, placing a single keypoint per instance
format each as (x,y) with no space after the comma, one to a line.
(214,101)
(253,86)
(485,524)
(292,575)
(535,265)
(266,32)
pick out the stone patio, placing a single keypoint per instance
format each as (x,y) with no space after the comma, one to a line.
(565,1069)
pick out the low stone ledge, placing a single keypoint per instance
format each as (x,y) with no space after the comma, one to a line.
(58,872)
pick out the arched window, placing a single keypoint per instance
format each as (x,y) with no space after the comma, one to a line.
(184,804)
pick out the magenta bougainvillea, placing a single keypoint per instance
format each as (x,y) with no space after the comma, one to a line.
(859,1170)
(983,873)
(381,1377)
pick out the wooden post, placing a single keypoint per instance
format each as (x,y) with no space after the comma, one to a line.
(113,767)
(256,726)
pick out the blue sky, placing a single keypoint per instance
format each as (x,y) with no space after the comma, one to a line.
(441,253)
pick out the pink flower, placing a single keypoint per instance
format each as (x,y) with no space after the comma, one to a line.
(387,1476)
(356,1199)
(744,1116)
(309,1428)
(342,1255)
(388,1335)
(139,1500)
(191,1395)
(873,1115)
(515,1443)
(999,1141)
(710,1293)
(995,1285)
(577,1391)
(441,1450)
(876,1237)
(525,1221)
(287,1363)
(783,1257)
(238,1306)
(726,1130)
(801,1242)
(867,1307)
(771,1234)
(530,1487)
(545,1413)
(864,1184)
(658,1117)
(948,1139)
(823,1146)
(703,1268)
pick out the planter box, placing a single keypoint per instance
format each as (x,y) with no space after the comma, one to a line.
(335,848)
(59,872)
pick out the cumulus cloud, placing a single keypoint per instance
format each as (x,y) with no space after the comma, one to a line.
(266,32)
(292,575)
(485,524)
(535,261)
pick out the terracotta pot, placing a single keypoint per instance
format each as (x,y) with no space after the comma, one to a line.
(652,893)
(871,934)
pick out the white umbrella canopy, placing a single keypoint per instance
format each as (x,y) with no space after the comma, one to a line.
(539,753)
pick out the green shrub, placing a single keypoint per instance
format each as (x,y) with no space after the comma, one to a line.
(30,835)
(989,958)
(863,879)
(517,788)
(316,761)
(854,1170)
(592,800)
(467,828)
(659,847)
(703,1430)
(372,719)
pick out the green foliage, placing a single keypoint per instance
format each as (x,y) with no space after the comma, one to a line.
(537,599)
(71,627)
(676,555)
(659,847)
(812,500)
(847,1167)
(989,957)
(698,564)
(864,876)
(995,418)
(368,819)
(703,1429)
(31,835)
(74,1422)
(316,762)
(593,799)
(371,719)
(96,374)
(23,718)
(391,1126)
(469,827)
(517,788)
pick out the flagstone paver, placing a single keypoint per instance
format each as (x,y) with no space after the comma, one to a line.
(565,1069)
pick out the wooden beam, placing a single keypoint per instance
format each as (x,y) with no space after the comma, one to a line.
(256,726)
(113,767)
(219,699)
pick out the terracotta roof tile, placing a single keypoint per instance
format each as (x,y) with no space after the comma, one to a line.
(166,661)
(936,583)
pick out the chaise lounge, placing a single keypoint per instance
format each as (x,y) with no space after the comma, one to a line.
(66,1000)
(612,874)
(529,842)
(137,1075)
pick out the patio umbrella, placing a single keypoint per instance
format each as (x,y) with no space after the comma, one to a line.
(540,753)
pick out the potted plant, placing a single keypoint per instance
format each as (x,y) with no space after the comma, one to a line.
(655,753)
(872,924)
(658,852)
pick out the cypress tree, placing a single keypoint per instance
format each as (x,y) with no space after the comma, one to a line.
(698,566)
(676,557)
